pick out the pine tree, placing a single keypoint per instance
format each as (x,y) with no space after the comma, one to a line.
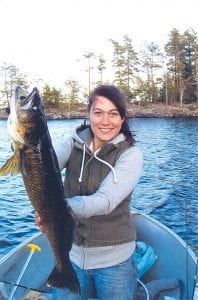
(101,67)
(182,65)
(72,95)
(151,62)
(125,62)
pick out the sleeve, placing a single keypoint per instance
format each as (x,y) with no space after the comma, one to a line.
(63,149)
(128,168)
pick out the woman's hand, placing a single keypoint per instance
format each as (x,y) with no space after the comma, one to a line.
(39,222)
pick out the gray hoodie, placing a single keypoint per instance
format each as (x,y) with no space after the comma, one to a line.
(113,189)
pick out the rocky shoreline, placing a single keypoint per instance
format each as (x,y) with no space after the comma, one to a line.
(135,111)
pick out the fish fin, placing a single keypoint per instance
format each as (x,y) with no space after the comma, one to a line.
(12,166)
(64,277)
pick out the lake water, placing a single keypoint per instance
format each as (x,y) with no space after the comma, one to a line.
(167,190)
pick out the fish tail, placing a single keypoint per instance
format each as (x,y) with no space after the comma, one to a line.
(12,167)
(64,276)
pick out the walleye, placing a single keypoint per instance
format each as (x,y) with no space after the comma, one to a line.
(35,158)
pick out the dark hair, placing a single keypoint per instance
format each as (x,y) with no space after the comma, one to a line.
(115,95)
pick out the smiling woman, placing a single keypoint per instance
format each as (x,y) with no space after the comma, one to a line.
(97,160)
(107,113)
(105,121)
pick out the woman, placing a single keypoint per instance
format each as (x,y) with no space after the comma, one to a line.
(103,166)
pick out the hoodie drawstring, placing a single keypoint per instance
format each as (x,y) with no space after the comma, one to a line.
(82,164)
(99,159)
(107,164)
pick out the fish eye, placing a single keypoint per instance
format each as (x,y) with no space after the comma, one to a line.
(35,108)
(22,98)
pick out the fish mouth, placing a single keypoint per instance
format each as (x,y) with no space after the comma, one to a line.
(30,101)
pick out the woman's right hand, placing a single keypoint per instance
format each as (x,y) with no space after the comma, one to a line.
(39,222)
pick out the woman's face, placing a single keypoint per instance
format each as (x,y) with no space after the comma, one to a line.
(105,121)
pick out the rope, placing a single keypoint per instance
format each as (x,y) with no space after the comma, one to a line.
(145,288)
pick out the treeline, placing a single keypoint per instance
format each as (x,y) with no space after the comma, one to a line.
(168,76)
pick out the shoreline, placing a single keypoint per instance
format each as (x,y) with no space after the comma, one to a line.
(134,111)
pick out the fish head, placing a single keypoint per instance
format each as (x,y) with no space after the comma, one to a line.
(26,122)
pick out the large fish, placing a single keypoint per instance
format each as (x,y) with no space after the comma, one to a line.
(35,158)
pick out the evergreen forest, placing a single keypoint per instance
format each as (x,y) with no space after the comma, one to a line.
(152,75)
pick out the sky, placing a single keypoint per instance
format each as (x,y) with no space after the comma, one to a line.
(46,39)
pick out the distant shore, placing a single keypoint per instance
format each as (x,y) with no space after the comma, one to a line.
(150,111)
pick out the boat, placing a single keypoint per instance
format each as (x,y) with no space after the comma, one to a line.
(175,262)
